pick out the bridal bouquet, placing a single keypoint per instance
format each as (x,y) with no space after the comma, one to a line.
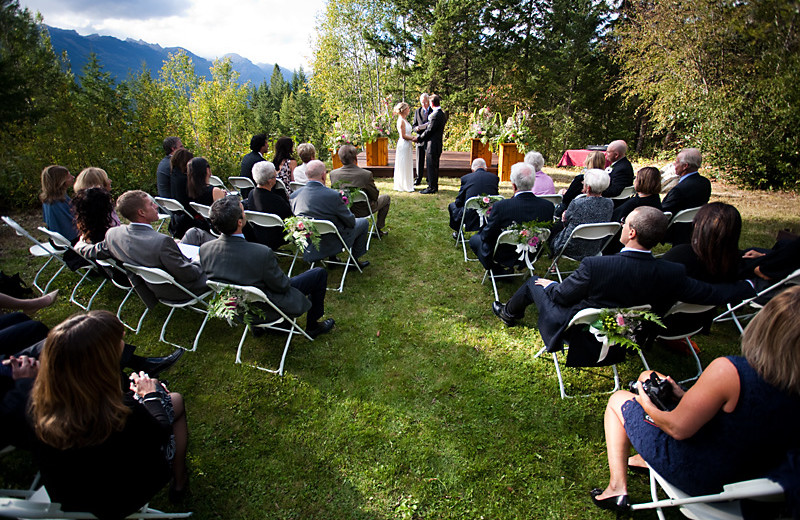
(620,327)
(300,231)
(230,303)
(516,130)
(482,125)
(529,237)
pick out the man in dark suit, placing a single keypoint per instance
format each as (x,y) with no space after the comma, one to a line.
(258,147)
(478,182)
(351,176)
(433,137)
(524,206)
(317,201)
(692,191)
(421,118)
(222,261)
(630,278)
(266,199)
(620,173)
(170,144)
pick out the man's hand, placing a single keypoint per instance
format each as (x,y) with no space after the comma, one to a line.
(22,367)
(753,254)
(544,282)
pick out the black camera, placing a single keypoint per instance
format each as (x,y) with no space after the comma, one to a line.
(658,390)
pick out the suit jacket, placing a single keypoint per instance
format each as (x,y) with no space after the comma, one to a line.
(317,201)
(621,175)
(268,201)
(351,176)
(222,260)
(626,279)
(248,161)
(523,207)
(144,246)
(419,118)
(691,192)
(472,184)
(434,134)
(162,176)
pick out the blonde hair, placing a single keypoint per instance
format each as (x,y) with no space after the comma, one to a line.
(400,107)
(77,398)
(92,177)
(771,341)
(54,184)
(596,160)
(306,152)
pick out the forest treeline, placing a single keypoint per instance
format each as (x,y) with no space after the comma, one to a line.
(715,74)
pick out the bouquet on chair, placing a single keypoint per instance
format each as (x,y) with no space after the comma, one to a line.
(346,192)
(529,237)
(621,327)
(485,203)
(300,231)
(230,303)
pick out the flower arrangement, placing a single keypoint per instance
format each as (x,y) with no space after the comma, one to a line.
(381,126)
(529,237)
(482,125)
(347,192)
(341,136)
(230,303)
(300,231)
(485,203)
(516,130)
(620,326)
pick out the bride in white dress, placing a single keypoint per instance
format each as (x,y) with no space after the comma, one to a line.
(404,156)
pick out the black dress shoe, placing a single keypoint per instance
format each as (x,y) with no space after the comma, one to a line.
(418,181)
(363,264)
(499,310)
(321,328)
(155,365)
(619,503)
(428,190)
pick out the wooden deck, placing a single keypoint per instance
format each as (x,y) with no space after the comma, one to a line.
(451,164)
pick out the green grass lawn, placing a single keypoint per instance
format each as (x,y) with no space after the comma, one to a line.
(420,403)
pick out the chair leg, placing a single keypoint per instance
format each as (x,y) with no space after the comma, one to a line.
(163,339)
(494,286)
(41,270)
(141,317)
(560,379)
(294,259)
(88,306)
(696,360)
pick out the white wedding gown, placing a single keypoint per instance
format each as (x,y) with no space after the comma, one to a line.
(404,159)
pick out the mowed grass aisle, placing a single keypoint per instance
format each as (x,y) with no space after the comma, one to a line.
(420,403)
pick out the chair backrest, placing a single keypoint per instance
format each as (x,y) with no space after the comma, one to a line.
(687,308)
(474,202)
(359,196)
(259,218)
(156,276)
(296,185)
(171,205)
(202,209)
(241,183)
(57,238)
(216,182)
(668,214)
(279,184)
(19,230)
(595,231)
(507,237)
(626,193)
(684,216)
(325,226)
(591,314)
(555,198)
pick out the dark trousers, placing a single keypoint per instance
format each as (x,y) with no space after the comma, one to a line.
(528,293)
(421,151)
(432,156)
(18,331)
(313,283)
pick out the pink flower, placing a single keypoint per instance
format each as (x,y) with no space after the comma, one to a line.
(300,225)
(525,232)
(488,210)
(486,200)
(345,199)
(620,320)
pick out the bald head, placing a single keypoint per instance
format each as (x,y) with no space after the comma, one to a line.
(616,150)
(316,171)
(650,225)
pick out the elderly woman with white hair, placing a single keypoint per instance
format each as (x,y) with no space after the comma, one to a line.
(543,185)
(266,199)
(590,209)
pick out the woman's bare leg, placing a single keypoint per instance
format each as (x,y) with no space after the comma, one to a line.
(617,445)
(29,306)
(181,431)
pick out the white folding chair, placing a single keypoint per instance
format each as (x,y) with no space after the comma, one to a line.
(725,505)
(112,267)
(668,214)
(271,220)
(256,295)
(217,183)
(38,250)
(360,196)
(280,185)
(326,227)
(507,238)
(602,232)
(196,303)
(91,267)
(582,318)
(752,303)
(626,193)
(472,203)
(686,308)
(685,216)
(555,198)
(204,212)
(295,185)
(241,183)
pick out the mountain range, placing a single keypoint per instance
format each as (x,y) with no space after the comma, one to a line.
(123,57)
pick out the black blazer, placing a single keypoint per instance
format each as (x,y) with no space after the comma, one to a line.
(621,177)
(248,161)
(691,192)
(434,134)
(472,184)
(267,201)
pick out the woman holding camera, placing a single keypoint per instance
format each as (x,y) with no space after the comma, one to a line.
(737,422)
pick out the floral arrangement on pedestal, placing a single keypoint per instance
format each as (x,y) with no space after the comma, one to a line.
(529,237)
(300,231)
(380,126)
(516,130)
(342,136)
(230,303)
(620,327)
(482,125)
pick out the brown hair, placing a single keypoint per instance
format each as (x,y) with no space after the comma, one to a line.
(180,160)
(54,184)
(715,238)
(595,160)
(306,152)
(771,342)
(77,397)
(92,177)
(130,202)
(648,180)
(196,177)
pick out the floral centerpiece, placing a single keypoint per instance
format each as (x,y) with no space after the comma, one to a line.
(381,126)
(341,137)
(482,125)
(230,303)
(347,192)
(620,327)
(485,203)
(516,130)
(300,231)
(529,237)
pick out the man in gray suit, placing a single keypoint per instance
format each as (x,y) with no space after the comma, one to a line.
(138,243)
(350,175)
(222,261)
(316,201)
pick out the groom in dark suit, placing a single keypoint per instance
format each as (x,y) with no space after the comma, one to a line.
(433,137)
(630,278)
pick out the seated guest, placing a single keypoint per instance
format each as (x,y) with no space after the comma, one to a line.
(774,264)
(692,191)
(90,433)
(258,147)
(543,185)
(524,206)
(197,186)
(595,160)
(737,422)
(170,145)
(179,176)
(479,182)
(56,205)
(630,278)
(93,214)
(591,209)
(179,222)
(222,261)
(316,201)
(92,177)
(17,329)
(646,184)
(265,200)
(621,171)
(284,161)
(351,176)
(307,153)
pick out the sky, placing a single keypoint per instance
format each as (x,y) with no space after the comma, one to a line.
(263,31)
